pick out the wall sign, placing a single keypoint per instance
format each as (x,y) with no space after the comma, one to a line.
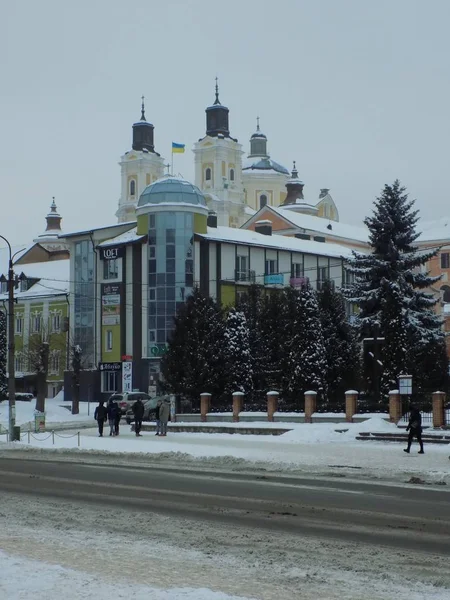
(112,366)
(111,298)
(112,252)
(127,376)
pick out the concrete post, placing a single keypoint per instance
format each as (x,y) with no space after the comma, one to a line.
(395,406)
(205,405)
(351,405)
(272,405)
(438,409)
(238,403)
(310,405)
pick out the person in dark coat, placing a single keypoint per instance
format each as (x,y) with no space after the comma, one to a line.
(113,410)
(117,420)
(100,415)
(138,411)
(164,413)
(158,422)
(415,429)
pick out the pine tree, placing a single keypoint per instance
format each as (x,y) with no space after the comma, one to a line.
(305,366)
(237,358)
(272,327)
(343,353)
(3,353)
(193,362)
(388,286)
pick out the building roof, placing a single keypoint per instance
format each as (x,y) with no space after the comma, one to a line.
(54,279)
(100,228)
(128,237)
(434,231)
(279,242)
(172,190)
(258,163)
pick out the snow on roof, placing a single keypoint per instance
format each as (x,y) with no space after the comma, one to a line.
(249,211)
(128,237)
(280,242)
(434,230)
(53,275)
(99,228)
(320,224)
(19,251)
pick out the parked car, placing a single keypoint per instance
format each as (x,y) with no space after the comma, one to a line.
(149,410)
(127,399)
(22,397)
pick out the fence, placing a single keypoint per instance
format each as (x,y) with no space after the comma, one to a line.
(52,434)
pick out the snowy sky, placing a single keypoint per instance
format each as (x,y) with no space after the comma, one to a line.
(357,92)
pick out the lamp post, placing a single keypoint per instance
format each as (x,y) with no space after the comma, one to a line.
(11,345)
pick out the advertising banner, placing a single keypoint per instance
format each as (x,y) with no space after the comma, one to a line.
(127,376)
(111,299)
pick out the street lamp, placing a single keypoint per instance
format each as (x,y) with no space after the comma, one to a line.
(11,345)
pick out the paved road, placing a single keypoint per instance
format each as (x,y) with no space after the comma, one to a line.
(408,517)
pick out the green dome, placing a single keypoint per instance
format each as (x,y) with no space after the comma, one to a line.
(172,190)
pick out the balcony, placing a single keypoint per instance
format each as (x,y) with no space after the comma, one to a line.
(274,279)
(298,282)
(246,276)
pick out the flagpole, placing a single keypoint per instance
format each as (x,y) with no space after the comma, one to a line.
(172,163)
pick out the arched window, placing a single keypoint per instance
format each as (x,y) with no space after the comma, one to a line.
(445,289)
(262,200)
(132,187)
(231,174)
(208,174)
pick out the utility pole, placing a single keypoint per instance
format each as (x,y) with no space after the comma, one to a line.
(11,346)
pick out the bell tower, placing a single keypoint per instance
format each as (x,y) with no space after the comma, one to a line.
(140,167)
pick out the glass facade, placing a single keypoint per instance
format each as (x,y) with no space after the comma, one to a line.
(170,273)
(84,300)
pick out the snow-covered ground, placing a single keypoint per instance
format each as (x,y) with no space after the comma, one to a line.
(56,411)
(321,448)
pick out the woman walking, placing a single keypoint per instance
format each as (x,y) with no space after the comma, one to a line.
(415,429)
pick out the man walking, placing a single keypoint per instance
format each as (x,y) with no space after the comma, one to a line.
(158,422)
(415,429)
(113,409)
(100,415)
(164,412)
(138,411)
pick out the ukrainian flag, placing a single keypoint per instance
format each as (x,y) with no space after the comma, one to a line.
(177,148)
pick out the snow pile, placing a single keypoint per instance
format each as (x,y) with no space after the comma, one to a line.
(24,578)
(56,411)
(376,425)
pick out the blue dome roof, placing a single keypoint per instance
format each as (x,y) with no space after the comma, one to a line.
(172,190)
(264,164)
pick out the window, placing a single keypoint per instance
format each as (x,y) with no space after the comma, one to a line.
(132,187)
(23,285)
(4,287)
(208,174)
(446,293)
(36,323)
(19,362)
(108,340)
(111,269)
(271,267)
(297,270)
(55,323)
(110,381)
(55,361)
(241,268)
(445,260)
(18,329)
(262,200)
(231,174)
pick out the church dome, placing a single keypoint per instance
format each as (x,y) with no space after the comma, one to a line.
(264,164)
(172,190)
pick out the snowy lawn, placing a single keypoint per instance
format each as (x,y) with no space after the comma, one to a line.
(56,411)
(317,448)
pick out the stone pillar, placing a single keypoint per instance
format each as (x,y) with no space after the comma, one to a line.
(351,405)
(238,403)
(395,406)
(205,405)
(438,409)
(272,405)
(310,405)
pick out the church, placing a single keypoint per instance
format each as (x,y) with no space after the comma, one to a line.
(236,184)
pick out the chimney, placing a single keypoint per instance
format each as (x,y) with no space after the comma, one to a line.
(212,219)
(264,227)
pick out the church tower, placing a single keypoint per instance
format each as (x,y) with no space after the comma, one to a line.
(218,167)
(140,167)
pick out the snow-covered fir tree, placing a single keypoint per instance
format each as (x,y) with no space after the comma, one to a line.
(193,362)
(305,365)
(3,352)
(343,352)
(237,358)
(389,286)
(272,325)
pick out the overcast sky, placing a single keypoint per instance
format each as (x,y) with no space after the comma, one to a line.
(356,91)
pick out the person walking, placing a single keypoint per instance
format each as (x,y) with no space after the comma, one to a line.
(164,412)
(415,429)
(138,411)
(113,409)
(158,422)
(100,415)
(117,420)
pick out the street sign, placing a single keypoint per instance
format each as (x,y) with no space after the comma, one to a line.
(405,385)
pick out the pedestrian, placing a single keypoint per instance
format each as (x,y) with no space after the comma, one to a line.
(113,409)
(100,415)
(138,411)
(117,420)
(415,429)
(164,412)
(158,422)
